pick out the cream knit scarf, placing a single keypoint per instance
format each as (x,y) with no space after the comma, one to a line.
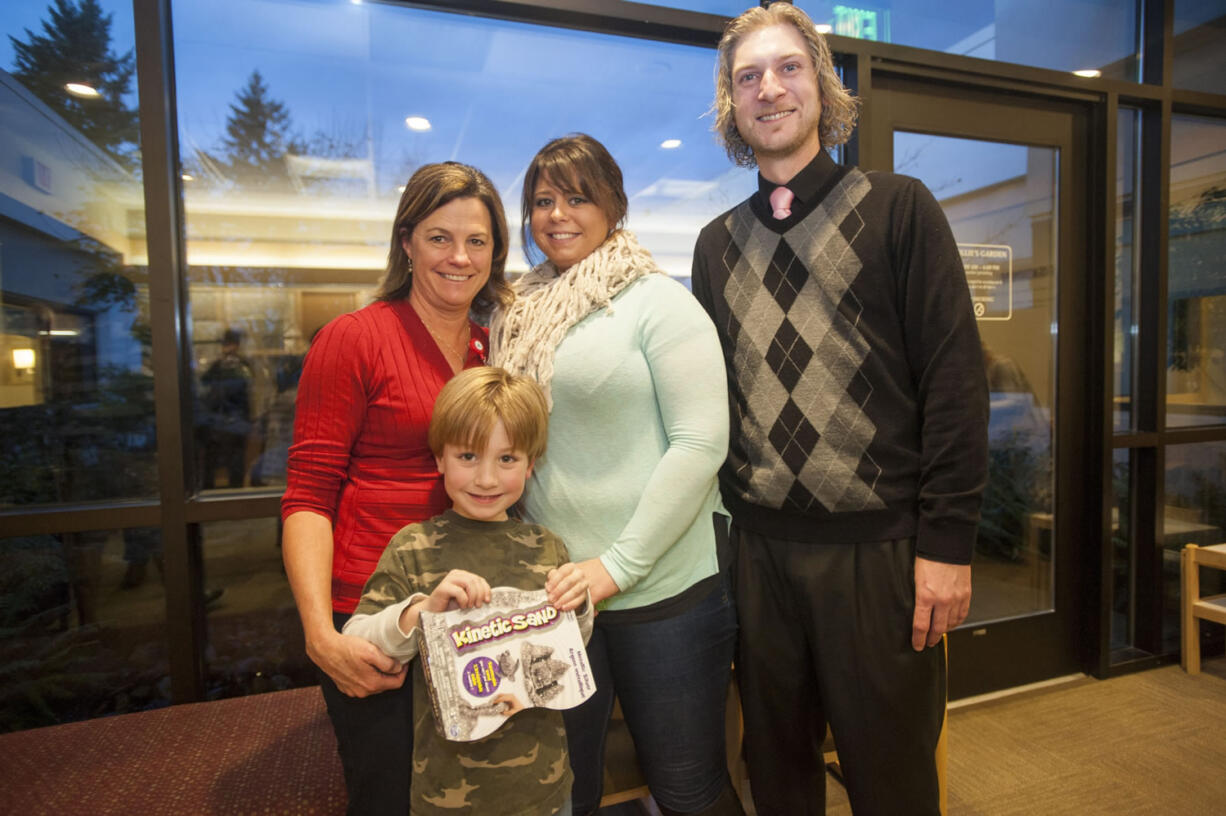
(525,335)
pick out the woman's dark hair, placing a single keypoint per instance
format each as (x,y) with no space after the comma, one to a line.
(575,164)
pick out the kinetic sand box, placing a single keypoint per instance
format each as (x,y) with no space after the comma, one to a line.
(484,664)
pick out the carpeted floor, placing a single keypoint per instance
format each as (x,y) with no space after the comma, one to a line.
(269,753)
(1147,743)
(263,754)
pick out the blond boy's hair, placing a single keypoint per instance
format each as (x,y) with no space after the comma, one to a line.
(475,399)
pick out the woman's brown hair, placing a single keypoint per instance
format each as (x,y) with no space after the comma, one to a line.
(575,164)
(433,186)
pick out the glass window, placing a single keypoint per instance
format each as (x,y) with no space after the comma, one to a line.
(1195,513)
(253,632)
(84,629)
(1127,179)
(1196,285)
(728,8)
(1123,561)
(76,389)
(1200,30)
(1043,33)
(1000,201)
(299,127)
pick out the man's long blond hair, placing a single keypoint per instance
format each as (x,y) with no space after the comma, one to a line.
(839,107)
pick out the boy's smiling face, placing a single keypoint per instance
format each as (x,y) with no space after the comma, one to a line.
(483,484)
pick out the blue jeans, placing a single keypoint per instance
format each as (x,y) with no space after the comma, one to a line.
(671,677)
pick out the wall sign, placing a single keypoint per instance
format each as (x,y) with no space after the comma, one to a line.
(862,23)
(989,274)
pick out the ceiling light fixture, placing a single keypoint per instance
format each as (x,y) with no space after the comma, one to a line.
(824,28)
(670,144)
(82,90)
(187,177)
(418,123)
(1089,73)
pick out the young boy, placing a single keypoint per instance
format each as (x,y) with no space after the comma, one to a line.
(487,431)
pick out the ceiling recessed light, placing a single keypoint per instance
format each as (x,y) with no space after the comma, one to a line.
(1089,73)
(81,90)
(670,144)
(419,123)
(824,28)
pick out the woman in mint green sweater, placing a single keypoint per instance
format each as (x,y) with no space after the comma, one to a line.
(638,429)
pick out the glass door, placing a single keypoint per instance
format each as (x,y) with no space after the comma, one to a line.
(1004,173)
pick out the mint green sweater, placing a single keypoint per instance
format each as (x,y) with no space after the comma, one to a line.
(639,429)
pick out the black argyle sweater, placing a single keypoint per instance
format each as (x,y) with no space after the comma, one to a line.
(858,397)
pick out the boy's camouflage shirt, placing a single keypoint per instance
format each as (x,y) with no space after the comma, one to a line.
(522,768)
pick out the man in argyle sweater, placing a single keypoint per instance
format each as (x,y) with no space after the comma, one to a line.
(858,452)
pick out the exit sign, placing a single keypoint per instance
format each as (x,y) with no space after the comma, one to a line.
(861,23)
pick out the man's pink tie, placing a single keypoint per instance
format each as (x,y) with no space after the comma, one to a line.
(781,202)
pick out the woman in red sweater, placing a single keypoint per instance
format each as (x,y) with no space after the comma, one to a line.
(360,467)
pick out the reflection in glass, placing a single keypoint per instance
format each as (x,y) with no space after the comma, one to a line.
(78,61)
(1195,513)
(224,413)
(1123,561)
(82,628)
(295,171)
(1000,202)
(1127,181)
(254,636)
(728,8)
(1047,34)
(1199,62)
(76,393)
(1196,286)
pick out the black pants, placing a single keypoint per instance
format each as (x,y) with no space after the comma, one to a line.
(826,638)
(374,736)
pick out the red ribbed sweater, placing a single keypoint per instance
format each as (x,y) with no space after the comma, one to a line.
(360,456)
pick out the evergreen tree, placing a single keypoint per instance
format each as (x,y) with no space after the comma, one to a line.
(258,135)
(75,46)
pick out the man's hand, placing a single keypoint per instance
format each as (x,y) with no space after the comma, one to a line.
(356,665)
(942,600)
